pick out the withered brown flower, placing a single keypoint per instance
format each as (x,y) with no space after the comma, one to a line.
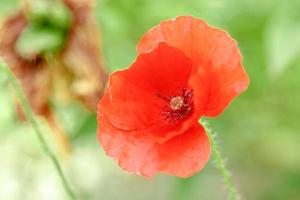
(75,71)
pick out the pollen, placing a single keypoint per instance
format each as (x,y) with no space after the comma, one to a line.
(176,102)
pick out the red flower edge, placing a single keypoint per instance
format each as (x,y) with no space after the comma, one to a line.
(148,117)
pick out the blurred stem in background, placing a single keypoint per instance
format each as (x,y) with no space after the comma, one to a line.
(29,114)
(219,161)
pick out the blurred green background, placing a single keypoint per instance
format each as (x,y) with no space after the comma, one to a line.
(259,133)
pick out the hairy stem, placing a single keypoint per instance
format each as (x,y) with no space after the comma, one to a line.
(30,116)
(220,163)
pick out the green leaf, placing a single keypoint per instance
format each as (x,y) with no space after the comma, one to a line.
(51,13)
(282,38)
(38,12)
(60,16)
(39,40)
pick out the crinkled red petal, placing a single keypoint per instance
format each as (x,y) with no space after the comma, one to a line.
(210,49)
(182,156)
(132,101)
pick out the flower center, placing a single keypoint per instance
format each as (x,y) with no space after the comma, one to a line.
(178,107)
(176,102)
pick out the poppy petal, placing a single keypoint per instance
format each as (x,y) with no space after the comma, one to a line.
(182,156)
(132,100)
(209,48)
(185,154)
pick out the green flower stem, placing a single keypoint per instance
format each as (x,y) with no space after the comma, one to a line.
(220,163)
(30,116)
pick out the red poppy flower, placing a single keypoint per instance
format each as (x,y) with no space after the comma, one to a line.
(148,117)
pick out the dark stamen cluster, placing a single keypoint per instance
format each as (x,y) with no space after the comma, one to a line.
(179,106)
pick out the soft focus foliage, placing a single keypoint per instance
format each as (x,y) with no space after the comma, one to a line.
(49,22)
(259,132)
